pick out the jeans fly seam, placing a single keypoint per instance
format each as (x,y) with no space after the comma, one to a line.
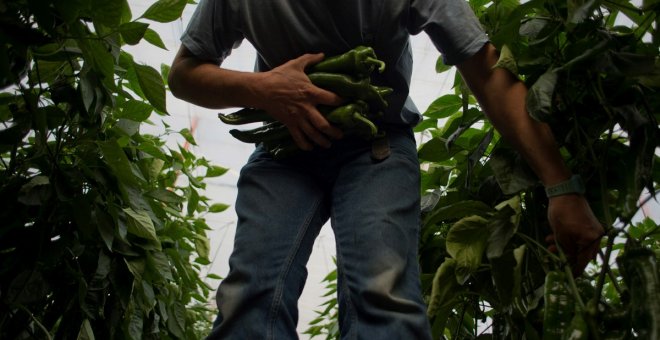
(347,293)
(279,286)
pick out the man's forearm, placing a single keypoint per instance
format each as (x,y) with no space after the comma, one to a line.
(207,85)
(502,97)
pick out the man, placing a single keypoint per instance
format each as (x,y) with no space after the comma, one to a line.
(373,206)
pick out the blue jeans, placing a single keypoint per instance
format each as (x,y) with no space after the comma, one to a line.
(374,210)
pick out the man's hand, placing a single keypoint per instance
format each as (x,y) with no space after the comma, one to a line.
(291,98)
(576,230)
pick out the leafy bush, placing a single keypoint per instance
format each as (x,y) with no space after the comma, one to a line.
(593,71)
(595,81)
(103,231)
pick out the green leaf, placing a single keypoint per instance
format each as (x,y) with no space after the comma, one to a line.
(214,276)
(435,150)
(140,224)
(105,225)
(519,255)
(426,124)
(152,86)
(445,291)
(512,173)
(187,135)
(167,196)
(507,61)
(151,167)
(579,10)
(148,298)
(133,32)
(153,38)
(165,10)
(116,159)
(135,324)
(466,242)
(150,148)
(440,66)
(215,171)
(539,97)
(107,12)
(444,106)
(202,246)
(35,192)
(136,266)
(507,278)
(165,72)
(69,10)
(218,207)
(86,332)
(97,53)
(502,226)
(503,277)
(454,211)
(159,265)
(136,110)
(177,320)
(26,287)
(127,126)
(193,201)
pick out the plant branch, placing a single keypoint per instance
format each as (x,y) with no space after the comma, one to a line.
(610,274)
(538,245)
(41,326)
(606,263)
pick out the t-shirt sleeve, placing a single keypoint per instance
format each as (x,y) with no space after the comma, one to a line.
(452,26)
(212,31)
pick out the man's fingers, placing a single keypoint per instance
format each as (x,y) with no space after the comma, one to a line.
(580,260)
(309,59)
(322,124)
(580,263)
(550,239)
(315,135)
(306,136)
(300,139)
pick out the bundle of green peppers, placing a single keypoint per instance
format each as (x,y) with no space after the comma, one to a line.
(349,76)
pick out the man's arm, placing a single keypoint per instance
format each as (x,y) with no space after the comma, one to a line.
(284,92)
(502,97)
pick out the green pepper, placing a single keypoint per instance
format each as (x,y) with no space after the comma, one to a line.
(349,87)
(245,116)
(281,148)
(559,305)
(360,61)
(343,115)
(351,118)
(577,329)
(268,132)
(640,273)
(364,128)
(384,91)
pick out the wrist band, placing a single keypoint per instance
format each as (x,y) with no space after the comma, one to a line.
(574,185)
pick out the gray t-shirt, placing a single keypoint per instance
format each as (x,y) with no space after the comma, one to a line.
(281,30)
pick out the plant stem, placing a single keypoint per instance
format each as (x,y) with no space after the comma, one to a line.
(36,322)
(606,260)
(537,244)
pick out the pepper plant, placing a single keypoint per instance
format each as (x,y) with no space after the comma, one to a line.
(103,232)
(593,73)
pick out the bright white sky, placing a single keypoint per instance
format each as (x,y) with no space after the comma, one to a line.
(215,144)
